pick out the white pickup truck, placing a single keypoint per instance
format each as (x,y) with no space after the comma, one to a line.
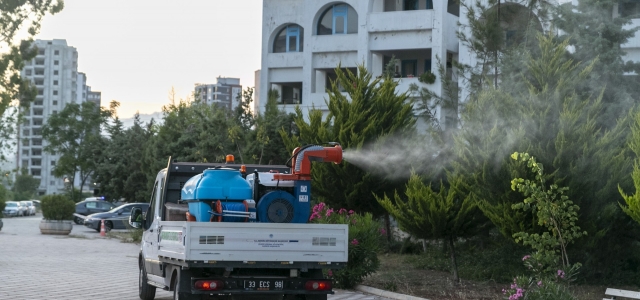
(252,249)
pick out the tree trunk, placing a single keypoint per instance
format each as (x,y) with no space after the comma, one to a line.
(387,225)
(454,264)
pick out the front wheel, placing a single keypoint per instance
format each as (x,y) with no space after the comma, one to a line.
(108,226)
(145,291)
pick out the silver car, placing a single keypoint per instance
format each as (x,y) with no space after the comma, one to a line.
(12,209)
(31,209)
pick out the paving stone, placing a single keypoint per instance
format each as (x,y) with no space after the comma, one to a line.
(80,266)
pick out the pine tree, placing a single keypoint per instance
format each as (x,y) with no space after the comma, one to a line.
(431,214)
(372,110)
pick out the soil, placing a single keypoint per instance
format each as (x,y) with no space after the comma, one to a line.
(397,275)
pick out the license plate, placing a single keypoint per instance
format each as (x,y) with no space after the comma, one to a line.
(264,285)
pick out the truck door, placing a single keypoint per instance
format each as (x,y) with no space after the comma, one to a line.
(150,238)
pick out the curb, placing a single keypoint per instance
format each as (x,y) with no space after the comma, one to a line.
(387,294)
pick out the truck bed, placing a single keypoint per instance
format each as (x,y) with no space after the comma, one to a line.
(252,243)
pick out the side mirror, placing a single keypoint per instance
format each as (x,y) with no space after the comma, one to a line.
(136,218)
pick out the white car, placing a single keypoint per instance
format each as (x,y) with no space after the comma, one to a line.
(12,209)
(30,208)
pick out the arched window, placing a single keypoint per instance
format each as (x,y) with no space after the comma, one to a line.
(338,19)
(289,39)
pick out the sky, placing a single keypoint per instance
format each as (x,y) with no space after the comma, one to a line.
(136,51)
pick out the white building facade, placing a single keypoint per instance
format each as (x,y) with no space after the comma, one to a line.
(303,41)
(54,72)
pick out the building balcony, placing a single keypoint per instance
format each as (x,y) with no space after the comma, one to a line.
(285,60)
(334,43)
(414,20)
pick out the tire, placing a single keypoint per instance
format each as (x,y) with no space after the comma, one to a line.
(145,291)
(76,220)
(108,226)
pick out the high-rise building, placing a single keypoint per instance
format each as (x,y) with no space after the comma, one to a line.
(54,72)
(223,92)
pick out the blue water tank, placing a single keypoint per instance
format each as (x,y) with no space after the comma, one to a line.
(214,184)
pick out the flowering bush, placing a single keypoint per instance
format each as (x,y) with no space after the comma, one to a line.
(364,238)
(541,286)
(528,288)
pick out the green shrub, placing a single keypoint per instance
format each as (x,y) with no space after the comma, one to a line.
(364,243)
(57,207)
(427,77)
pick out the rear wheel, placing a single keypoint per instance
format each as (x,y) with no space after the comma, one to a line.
(108,226)
(145,291)
(77,220)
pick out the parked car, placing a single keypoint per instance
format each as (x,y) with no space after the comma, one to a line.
(12,209)
(92,206)
(36,203)
(117,218)
(31,209)
(22,208)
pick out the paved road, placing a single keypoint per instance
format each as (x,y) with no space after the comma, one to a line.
(80,266)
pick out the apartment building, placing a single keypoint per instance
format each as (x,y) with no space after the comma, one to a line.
(223,92)
(303,41)
(54,72)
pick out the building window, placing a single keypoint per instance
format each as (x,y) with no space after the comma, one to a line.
(55,102)
(55,62)
(338,19)
(453,7)
(25,132)
(25,152)
(56,52)
(35,172)
(55,82)
(289,39)
(55,92)
(52,182)
(429,4)
(27,72)
(409,68)
(411,4)
(55,72)
(427,65)
(25,143)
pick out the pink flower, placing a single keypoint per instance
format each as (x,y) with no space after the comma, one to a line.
(329,212)
(355,242)
(382,231)
(330,273)
(351,212)
(540,283)
(342,210)
(526,257)
(561,274)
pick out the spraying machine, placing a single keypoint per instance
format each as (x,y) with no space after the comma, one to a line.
(217,230)
(224,194)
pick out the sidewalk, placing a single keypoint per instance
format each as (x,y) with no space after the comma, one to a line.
(83,266)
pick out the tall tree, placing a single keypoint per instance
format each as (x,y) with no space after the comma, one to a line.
(363,112)
(74,134)
(15,92)
(122,176)
(593,30)
(436,213)
(25,186)
(271,149)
